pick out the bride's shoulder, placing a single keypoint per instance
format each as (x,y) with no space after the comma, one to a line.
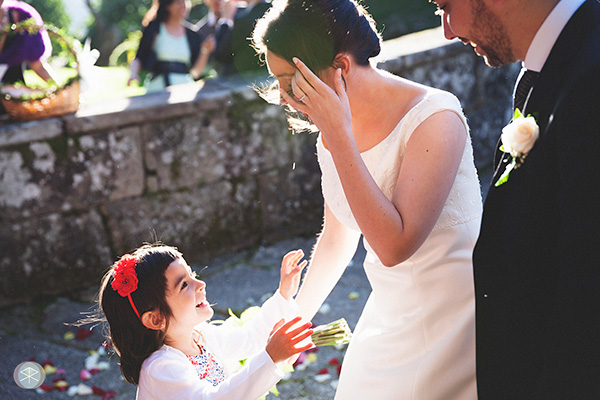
(436,99)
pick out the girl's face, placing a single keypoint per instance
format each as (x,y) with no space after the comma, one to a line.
(186,296)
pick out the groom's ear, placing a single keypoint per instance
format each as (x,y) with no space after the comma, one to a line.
(343,62)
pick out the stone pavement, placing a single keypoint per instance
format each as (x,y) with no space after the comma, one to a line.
(236,281)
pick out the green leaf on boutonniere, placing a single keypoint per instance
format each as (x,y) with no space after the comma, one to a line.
(504,177)
(518,114)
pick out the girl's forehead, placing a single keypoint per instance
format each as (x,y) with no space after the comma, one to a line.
(179,263)
(177,268)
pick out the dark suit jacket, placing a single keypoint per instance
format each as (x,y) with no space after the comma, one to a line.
(234,50)
(221,58)
(537,260)
(244,55)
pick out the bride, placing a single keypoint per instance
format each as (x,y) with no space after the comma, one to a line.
(397,167)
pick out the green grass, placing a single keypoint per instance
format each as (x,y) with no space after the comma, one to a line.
(112,83)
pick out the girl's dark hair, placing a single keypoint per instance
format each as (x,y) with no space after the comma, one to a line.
(132,341)
(316,31)
(158,12)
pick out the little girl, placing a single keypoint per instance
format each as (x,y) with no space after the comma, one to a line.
(158,314)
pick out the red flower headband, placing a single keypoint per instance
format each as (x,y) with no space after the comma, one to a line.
(125,279)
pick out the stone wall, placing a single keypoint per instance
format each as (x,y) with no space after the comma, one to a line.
(210,168)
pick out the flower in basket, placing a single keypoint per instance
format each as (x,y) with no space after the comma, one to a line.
(35,100)
(91,75)
(334,333)
(518,139)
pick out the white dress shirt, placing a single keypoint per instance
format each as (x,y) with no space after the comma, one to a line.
(546,36)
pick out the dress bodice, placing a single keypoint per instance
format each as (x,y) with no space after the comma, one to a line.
(385,159)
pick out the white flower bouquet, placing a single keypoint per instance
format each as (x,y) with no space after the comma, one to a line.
(334,333)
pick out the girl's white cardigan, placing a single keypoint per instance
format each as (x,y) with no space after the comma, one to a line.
(168,374)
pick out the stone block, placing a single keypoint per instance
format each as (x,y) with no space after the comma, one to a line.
(486,125)
(498,83)
(24,132)
(242,140)
(176,101)
(291,203)
(201,222)
(72,173)
(51,255)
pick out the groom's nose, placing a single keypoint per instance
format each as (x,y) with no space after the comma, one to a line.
(448,32)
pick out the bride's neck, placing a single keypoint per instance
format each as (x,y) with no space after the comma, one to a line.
(369,95)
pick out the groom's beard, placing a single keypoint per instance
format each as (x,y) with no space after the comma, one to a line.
(490,36)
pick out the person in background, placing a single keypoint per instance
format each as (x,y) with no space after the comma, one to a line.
(19,49)
(537,260)
(219,23)
(245,58)
(170,48)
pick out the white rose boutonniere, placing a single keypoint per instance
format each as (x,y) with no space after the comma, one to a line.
(518,139)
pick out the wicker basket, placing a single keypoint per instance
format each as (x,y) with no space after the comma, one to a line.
(64,100)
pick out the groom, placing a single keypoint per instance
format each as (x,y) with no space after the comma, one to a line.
(537,260)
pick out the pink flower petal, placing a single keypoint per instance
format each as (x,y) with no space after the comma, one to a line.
(109,395)
(85,375)
(300,359)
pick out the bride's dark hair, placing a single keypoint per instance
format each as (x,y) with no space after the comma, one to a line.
(315,31)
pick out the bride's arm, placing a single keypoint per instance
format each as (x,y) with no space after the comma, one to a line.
(394,229)
(333,251)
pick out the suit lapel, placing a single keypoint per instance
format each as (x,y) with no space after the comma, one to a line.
(544,94)
(559,63)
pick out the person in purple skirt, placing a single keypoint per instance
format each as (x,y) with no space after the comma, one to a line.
(18,49)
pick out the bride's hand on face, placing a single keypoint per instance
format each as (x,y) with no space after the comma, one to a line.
(327,107)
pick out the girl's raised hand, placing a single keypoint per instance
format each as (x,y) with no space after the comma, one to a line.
(327,107)
(283,340)
(290,273)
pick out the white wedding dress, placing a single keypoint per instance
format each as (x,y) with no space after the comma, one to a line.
(416,336)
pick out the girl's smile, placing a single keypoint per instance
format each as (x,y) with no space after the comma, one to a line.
(186,296)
